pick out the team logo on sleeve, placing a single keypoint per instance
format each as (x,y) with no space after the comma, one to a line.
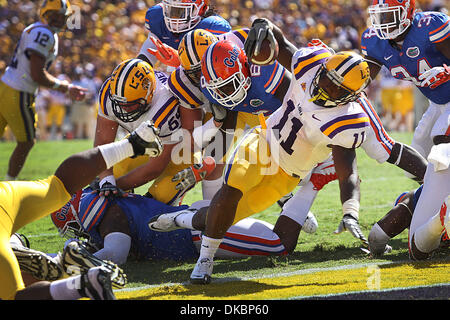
(413,52)
(256,102)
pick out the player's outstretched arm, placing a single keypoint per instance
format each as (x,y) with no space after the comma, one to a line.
(408,159)
(347,173)
(40,75)
(80,169)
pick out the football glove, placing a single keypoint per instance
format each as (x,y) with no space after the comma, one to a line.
(319,43)
(164,53)
(219,113)
(110,190)
(435,76)
(349,223)
(190,176)
(261,29)
(145,140)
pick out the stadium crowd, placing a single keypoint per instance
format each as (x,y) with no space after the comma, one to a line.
(103,33)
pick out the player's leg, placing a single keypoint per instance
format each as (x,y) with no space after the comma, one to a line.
(426,227)
(33,200)
(250,186)
(392,224)
(18,110)
(248,237)
(421,139)
(296,212)
(221,148)
(425,230)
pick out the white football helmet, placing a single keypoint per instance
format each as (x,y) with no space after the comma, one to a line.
(183,15)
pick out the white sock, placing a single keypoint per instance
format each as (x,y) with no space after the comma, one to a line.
(210,188)
(298,206)
(66,289)
(428,236)
(209,247)
(378,239)
(116,151)
(184,219)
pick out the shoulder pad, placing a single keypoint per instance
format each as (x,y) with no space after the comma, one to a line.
(153,16)
(307,58)
(215,24)
(343,129)
(178,85)
(103,97)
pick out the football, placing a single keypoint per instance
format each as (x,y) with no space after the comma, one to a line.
(267,55)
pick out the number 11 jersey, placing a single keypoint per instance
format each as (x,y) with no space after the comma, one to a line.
(301,133)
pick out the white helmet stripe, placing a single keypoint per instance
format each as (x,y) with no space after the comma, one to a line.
(123,77)
(347,64)
(209,64)
(191,49)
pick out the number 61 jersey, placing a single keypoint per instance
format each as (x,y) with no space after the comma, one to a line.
(300,133)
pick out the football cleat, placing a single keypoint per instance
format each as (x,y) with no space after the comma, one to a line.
(202,271)
(96,284)
(20,239)
(323,174)
(165,222)
(76,259)
(310,225)
(40,265)
(377,250)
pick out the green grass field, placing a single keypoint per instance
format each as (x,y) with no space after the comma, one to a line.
(381,184)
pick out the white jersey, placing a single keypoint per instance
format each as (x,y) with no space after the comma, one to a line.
(38,38)
(164,111)
(300,132)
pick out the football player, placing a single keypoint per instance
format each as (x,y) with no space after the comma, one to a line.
(184,82)
(415,46)
(378,144)
(33,200)
(169,21)
(118,228)
(270,160)
(27,71)
(399,218)
(133,94)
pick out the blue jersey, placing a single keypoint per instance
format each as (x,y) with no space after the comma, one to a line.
(146,244)
(418,53)
(154,22)
(261,98)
